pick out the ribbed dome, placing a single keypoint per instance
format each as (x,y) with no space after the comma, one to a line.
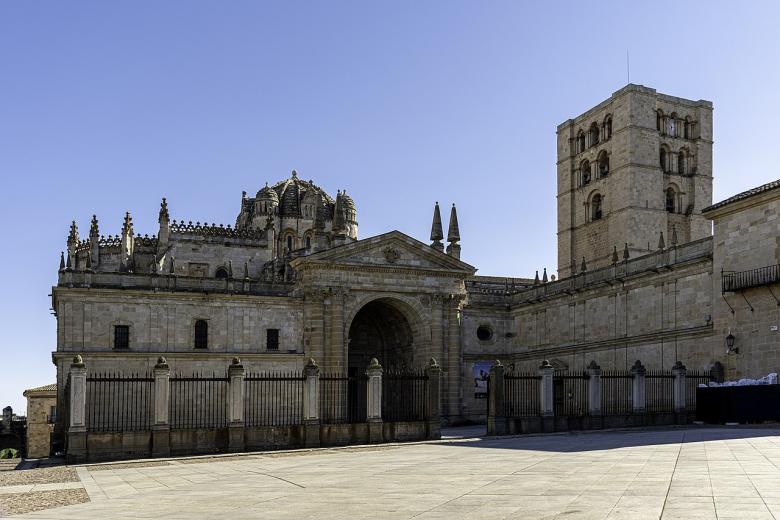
(267,193)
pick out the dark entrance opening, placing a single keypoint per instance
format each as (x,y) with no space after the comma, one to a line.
(380,330)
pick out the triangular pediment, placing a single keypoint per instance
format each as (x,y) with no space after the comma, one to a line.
(391,250)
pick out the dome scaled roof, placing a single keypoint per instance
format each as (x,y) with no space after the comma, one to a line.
(267,193)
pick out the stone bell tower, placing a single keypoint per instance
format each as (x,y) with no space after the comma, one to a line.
(635,166)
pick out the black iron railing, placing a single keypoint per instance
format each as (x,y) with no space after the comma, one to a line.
(617,392)
(521,394)
(570,394)
(273,399)
(343,399)
(198,401)
(403,396)
(118,402)
(737,280)
(694,378)
(659,391)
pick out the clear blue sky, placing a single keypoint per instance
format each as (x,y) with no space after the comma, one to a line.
(108,106)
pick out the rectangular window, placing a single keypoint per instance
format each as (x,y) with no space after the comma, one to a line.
(121,336)
(272,339)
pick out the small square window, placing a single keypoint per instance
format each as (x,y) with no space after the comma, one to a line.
(272,339)
(121,336)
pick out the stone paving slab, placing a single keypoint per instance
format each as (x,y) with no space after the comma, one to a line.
(674,473)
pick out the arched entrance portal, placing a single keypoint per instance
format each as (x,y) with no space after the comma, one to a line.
(382,330)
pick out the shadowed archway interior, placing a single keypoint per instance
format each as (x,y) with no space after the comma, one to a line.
(381,330)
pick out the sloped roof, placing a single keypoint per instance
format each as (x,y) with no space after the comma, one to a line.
(41,389)
(744,195)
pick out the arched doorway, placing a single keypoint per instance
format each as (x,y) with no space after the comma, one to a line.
(382,329)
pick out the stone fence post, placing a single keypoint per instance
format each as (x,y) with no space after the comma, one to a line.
(546,390)
(638,373)
(496,422)
(77,429)
(680,398)
(311,404)
(374,401)
(433,400)
(594,389)
(161,428)
(236,406)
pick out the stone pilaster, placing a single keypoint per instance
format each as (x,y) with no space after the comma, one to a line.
(161,428)
(236,406)
(454,357)
(638,372)
(433,399)
(679,372)
(77,429)
(546,389)
(496,422)
(311,404)
(374,401)
(338,361)
(594,389)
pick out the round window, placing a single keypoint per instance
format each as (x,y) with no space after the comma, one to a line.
(484,333)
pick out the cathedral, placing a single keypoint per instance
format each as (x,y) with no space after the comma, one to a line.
(648,269)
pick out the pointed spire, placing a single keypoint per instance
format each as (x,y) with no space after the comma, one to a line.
(544,277)
(437,234)
(295,175)
(73,236)
(674,236)
(453,233)
(536,278)
(94,230)
(127,226)
(164,211)
(68,264)
(319,220)
(614,255)
(583,267)
(661,243)
(62,260)
(625,252)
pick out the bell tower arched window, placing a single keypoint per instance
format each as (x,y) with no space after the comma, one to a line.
(585,168)
(603,164)
(594,134)
(670,200)
(289,243)
(681,169)
(595,207)
(662,160)
(581,141)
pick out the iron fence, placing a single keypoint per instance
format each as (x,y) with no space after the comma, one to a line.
(659,391)
(403,396)
(343,399)
(694,378)
(521,394)
(735,281)
(617,392)
(198,401)
(118,402)
(570,394)
(273,399)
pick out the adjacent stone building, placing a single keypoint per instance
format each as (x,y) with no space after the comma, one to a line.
(639,275)
(41,416)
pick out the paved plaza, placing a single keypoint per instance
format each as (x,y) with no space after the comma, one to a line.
(690,473)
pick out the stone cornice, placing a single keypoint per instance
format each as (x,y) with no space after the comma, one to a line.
(148,294)
(322,265)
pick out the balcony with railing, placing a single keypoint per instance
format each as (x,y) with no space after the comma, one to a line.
(738,280)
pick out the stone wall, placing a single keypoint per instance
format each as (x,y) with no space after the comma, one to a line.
(747,237)
(39,428)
